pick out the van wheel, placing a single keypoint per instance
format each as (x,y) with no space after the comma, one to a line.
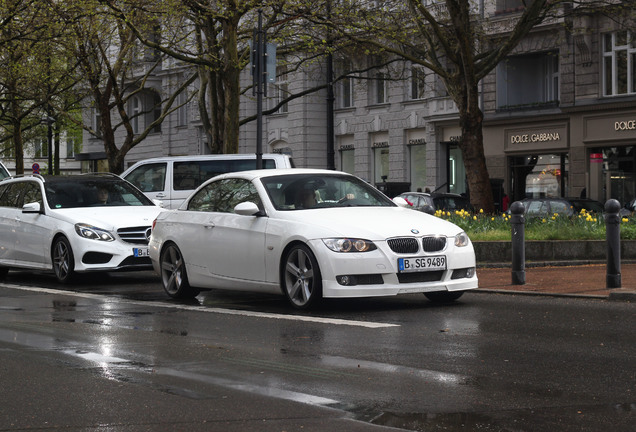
(173,274)
(63,260)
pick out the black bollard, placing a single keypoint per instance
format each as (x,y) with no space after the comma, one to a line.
(613,237)
(518,227)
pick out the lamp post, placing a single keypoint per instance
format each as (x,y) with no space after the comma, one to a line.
(49,137)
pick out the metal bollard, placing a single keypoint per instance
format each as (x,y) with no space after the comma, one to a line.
(518,227)
(613,237)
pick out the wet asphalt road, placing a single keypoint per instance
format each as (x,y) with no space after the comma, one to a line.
(112,353)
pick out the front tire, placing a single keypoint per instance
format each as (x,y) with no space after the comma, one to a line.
(443,296)
(173,274)
(63,260)
(302,282)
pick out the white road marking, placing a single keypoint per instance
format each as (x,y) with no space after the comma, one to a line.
(320,320)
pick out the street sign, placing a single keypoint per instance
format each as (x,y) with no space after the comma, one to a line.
(36,168)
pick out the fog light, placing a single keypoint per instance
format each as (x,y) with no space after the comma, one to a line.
(346,280)
(470,272)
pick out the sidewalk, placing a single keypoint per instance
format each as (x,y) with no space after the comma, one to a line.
(578,280)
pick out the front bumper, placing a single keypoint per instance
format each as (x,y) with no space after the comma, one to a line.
(376,273)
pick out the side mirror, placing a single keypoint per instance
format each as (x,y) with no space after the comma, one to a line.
(401,202)
(33,207)
(247,209)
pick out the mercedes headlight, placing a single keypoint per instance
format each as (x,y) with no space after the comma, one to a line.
(349,245)
(93,233)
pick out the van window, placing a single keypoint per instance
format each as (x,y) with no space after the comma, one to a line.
(149,177)
(190,174)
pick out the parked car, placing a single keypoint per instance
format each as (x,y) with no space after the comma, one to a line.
(171,179)
(4,172)
(308,234)
(438,201)
(587,204)
(58,223)
(549,206)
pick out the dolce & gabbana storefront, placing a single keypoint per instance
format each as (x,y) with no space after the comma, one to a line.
(590,155)
(610,143)
(538,160)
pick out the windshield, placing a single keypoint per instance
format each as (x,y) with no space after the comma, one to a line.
(80,191)
(306,191)
(3,172)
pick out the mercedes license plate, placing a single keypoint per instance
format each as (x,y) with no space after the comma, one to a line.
(140,252)
(419,264)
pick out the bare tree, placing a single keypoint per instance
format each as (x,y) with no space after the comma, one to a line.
(114,71)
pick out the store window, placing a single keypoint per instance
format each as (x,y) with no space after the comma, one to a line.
(528,81)
(616,176)
(456,175)
(347,161)
(539,176)
(619,60)
(418,167)
(381,164)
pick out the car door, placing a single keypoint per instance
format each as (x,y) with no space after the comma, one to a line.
(229,245)
(33,229)
(9,194)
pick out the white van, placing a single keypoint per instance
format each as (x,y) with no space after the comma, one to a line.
(171,179)
(4,172)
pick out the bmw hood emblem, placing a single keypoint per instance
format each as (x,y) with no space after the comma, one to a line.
(414,231)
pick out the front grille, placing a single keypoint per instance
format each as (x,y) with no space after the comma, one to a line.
(403,245)
(430,276)
(433,244)
(135,235)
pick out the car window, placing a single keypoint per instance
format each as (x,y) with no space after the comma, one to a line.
(190,174)
(559,207)
(536,208)
(149,177)
(302,191)
(223,195)
(3,172)
(11,195)
(32,193)
(78,191)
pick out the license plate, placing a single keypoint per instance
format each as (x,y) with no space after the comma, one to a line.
(419,264)
(140,252)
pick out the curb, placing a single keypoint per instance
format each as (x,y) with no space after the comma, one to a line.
(622,294)
(616,294)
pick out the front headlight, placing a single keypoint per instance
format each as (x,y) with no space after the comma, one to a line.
(349,245)
(462,239)
(93,233)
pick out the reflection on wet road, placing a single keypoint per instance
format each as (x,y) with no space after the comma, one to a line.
(488,362)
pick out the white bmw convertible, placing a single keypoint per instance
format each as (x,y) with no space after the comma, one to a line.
(309,234)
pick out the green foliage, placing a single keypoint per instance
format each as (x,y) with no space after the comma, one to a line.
(584,226)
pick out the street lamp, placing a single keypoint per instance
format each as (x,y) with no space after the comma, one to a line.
(49,136)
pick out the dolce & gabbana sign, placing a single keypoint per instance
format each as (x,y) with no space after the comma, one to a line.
(625,125)
(550,136)
(535,137)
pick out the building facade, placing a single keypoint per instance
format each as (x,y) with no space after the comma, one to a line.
(560,119)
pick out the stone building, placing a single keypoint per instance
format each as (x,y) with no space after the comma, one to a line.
(560,119)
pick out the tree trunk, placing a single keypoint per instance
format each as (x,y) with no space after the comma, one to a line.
(472,147)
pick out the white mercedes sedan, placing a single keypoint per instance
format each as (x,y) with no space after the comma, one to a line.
(308,234)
